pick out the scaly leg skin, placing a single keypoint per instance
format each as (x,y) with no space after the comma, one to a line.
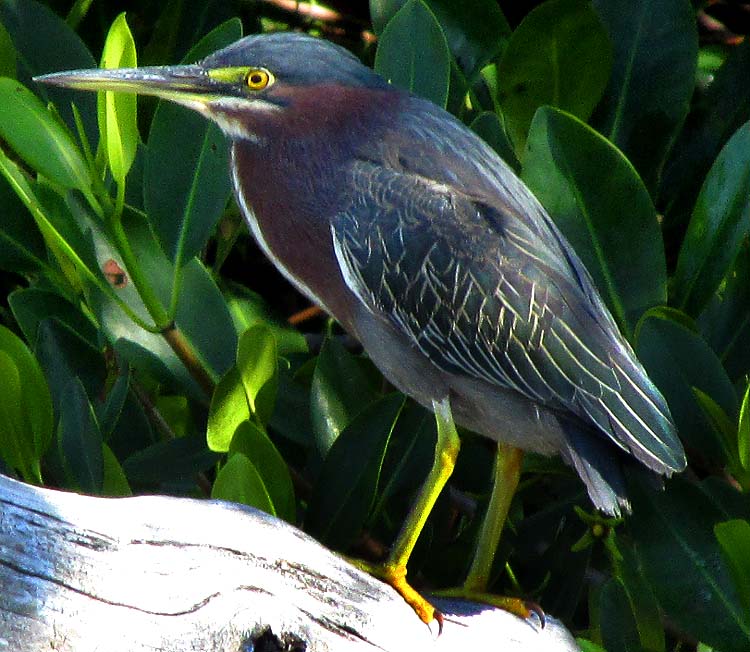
(393,570)
(507,472)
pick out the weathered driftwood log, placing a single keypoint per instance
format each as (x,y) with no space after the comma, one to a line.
(154,573)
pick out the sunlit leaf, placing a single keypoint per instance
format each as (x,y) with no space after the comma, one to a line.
(117,111)
(254,444)
(239,481)
(39,139)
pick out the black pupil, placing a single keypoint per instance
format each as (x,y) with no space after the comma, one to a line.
(256,78)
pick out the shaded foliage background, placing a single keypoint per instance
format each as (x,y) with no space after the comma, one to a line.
(147,346)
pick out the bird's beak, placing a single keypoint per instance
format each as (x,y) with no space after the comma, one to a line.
(188,85)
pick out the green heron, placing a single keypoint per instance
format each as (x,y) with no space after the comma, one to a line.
(405,226)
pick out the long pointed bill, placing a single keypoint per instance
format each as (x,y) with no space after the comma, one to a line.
(188,85)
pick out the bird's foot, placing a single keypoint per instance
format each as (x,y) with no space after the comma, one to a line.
(395,576)
(517,606)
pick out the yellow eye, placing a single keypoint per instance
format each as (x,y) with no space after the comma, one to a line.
(257,79)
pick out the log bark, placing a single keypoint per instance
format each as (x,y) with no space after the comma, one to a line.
(79,573)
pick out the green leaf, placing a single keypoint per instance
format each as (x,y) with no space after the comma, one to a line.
(476,31)
(114,482)
(413,53)
(642,605)
(618,627)
(255,444)
(718,226)
(215,339)
(743,431)
(602,207)
(21,245)
(257,366)
(80,439)
(39,139)
(543,64)
(340,390)
(250,309)
(653,76)
(117,111)
(166,463)
(7,54)
(229,408)
(725,322)
(186,195)
(110,413)
(64,355)
(490,127)
(715,116)
(44,43)
(679,554)
(26,407)
(678,359)
(239,481)
(30,306)
(734,538)
(347,485)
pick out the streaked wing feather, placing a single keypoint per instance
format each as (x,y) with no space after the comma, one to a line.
(482,294)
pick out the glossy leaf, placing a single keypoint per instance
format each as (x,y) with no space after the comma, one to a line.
(340,390)
(26,407)
(36,136)
(618,627)
(214,339)
(653,76)
(7,54)
(250,309)
(254,444)
(175,461)
(185,195)
(229,408)
(596,198)
(26,404)
(239,481)
(32,305)
(734,538)
(413,53)
(257,366)
(80,439)
(643,608)
(716,115)
(476,31)
(725,322)
(45,43)
(543,64)
(743,431)
(718,226)
(346,488)
(678,359)
(114,482)
(489,126)
(116,111)
(21,244)
(681,558)
(64,355)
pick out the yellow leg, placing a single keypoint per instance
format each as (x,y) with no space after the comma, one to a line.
(506,475)
(507,472)
(393,570)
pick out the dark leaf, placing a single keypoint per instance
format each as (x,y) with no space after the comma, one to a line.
(413,53)
(543,64)
(602,207)
(653,76)
(346,488)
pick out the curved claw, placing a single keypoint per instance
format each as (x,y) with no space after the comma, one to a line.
(536,609)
